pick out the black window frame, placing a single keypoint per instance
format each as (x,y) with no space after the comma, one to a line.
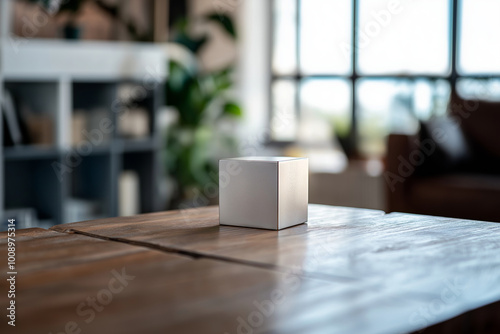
(352,142)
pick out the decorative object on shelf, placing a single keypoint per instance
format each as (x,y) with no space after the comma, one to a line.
(135,121)
(263,192)
(40,127)
(12,124)
(203,130)
(78,126)
(129,192)
(134,124)
(73,30)
(84,124)
(23,125)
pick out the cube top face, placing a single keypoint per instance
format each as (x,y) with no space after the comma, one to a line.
(263,192)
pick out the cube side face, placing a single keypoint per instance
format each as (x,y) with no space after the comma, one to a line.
(293,191)
(248,194)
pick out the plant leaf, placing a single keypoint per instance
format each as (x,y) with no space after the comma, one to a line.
(225,22)
(193,44)
(231,108)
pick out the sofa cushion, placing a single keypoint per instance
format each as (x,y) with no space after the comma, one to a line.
(472,196)
(444,146)
(480,121)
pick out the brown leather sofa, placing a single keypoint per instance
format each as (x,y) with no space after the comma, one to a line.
(461,180)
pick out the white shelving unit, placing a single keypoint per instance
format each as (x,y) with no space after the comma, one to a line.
(56,77)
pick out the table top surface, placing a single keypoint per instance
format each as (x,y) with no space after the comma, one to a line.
(345,271)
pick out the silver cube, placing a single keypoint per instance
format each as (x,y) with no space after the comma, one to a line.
(263,192)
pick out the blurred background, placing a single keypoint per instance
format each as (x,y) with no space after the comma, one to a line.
(114,108)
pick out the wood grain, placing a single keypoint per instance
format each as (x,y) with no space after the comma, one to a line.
(418,258)
(346,271)
(336,243)
(177,294)
(197,232)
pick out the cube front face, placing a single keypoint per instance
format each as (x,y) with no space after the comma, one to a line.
(266,192)
(249,194)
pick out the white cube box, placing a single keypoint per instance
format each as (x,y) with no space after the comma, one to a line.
(263,192)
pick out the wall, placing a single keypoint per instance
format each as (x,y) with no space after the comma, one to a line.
(251,56)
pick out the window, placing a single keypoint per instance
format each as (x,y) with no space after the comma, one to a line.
(391,105)
(403,37)
(361,69)
(479,43)
(324,25)
(325,104)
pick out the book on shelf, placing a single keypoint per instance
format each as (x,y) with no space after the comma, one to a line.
(12,126)
(24,126)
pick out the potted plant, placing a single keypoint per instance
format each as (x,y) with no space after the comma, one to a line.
(203,130)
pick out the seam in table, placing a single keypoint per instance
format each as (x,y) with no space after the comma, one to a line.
(198,255)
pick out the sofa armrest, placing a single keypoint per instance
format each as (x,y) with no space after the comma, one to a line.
(398,171)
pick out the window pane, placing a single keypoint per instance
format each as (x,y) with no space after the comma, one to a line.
(394,106)
(479,47)
(284,121)
(479,89)
(325,36)
(285,37)
(325,110)
(429,98)
(404,37)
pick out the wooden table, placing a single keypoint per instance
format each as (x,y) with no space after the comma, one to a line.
(346,271)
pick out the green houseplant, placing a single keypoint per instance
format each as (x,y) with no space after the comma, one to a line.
(205,116)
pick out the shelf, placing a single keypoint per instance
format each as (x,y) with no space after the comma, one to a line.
(76,85)
(30,153)
(96,150)
(137,145)
(91,182)
(38,153)
(83,60)
(145,165)
(23,176)
(33,112)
